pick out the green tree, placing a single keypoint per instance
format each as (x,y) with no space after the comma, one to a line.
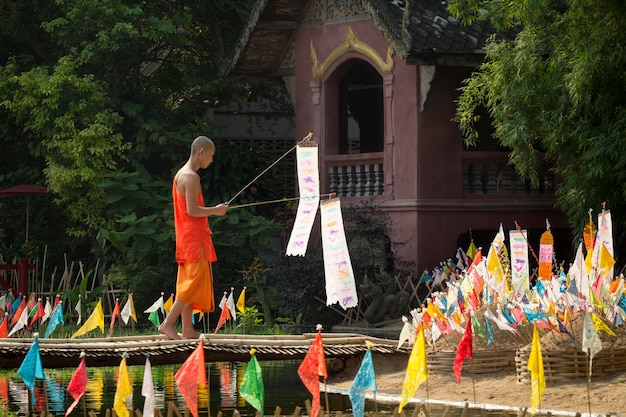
(554,91)
(102,98)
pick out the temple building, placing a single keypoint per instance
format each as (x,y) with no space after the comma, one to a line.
(376,82)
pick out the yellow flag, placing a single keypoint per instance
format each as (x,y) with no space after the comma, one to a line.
(598,304)
(606,260)
(416,371)
(589,261)
(167,306)
(132,307)
(471,250)
(601,326)
(123,390)
(537,377)
(434,311)
(241,301)
(95,320)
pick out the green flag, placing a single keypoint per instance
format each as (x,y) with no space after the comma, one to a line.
(252,385)
(154,318)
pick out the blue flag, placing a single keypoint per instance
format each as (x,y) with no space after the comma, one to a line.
(16,303)
(55,318)
(31,368)
(622,302)
(364,379)
(572,288)
(489,332)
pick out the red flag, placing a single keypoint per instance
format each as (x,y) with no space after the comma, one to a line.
(4,327)
(190,375)
(78,384)
(224,316)
(18,312)
(312,367)
(464,350)
(57,300)
(41,311)
(114,315)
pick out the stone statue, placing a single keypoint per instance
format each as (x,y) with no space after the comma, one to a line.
(384,299)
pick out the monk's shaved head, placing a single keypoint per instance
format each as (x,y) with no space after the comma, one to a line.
(201,142)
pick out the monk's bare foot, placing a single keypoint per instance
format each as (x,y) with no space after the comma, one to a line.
(169,332)
(191,335)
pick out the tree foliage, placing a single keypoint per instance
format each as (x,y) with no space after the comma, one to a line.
(554,92)
(100,99)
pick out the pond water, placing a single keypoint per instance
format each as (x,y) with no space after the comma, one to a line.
(282,384)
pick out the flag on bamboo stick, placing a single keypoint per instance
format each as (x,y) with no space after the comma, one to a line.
(599,325)
(47,310)
(115,314)
(39,312)
(416,370)
(21,322)
(252,389)
(154,318)
(128,310)
(123,390)
(406,333)
(169,303)
(312,367)
(79,310)
(191,375)
(3,303)
(55,318)
(230,301)
(241,301)
(365,379)
(4,326)
(156,306)
(16,303)
(31,367)
(78,384)
(464,350)
(537,377)
(471,250)
(18,310)
(147,389)
(224,315)
(591,340)
(94,321)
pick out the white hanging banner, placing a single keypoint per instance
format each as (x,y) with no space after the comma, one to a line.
(340,285)
(309,186)
(520,269)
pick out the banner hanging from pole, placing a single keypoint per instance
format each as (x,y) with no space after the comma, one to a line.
(520,267)
(309,186)
(340,286)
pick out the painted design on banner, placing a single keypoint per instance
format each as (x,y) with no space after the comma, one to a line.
(519,261)
(309,186)
(340,286)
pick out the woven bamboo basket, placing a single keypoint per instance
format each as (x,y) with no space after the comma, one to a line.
(563,365)
(483,362)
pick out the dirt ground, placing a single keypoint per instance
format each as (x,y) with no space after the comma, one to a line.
(604,395)
(608,394)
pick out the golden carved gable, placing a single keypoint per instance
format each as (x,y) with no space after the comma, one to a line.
(352,43)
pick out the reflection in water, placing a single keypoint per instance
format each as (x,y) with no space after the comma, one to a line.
(283,388)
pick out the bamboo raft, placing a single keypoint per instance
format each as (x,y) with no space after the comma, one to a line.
(64,353)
